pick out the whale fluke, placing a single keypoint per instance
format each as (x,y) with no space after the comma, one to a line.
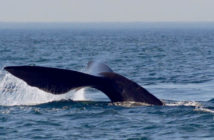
(52,80)
(59,81)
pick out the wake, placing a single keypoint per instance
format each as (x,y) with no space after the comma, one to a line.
(197,106)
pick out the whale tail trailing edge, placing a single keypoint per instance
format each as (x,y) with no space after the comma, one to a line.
(59,81)
(53,80)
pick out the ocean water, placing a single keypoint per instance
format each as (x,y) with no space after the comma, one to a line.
(175,64)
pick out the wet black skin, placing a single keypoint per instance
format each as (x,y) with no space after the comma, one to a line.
(59,81)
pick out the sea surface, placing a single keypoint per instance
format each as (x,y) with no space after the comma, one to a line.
(174,63)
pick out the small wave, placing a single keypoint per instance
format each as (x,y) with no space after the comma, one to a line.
(72,104)
(198,106)
(130,104)
(203,109)
(183,103)
(166,103)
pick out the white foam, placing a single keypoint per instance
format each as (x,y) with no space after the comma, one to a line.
(130,104)
(14,91)
(79,95)
(197,105)
(203,109)
(184,103)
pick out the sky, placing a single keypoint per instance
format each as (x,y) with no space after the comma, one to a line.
(106,10)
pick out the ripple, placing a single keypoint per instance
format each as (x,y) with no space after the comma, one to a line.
(176,65)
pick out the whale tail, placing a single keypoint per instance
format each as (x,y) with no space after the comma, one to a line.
(60,81)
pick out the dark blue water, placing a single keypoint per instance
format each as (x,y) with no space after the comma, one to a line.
(175,64)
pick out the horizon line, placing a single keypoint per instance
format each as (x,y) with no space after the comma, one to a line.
(26,22)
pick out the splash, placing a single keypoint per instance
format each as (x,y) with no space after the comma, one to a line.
(97,67)
(79,95)
(14,91)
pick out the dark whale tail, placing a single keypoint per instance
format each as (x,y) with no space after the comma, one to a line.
(59,81)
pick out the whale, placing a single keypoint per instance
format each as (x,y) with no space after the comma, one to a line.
(98,75)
